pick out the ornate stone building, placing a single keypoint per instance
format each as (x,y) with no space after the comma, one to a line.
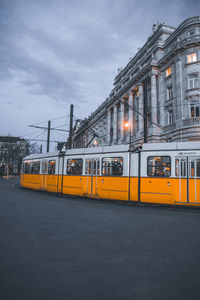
(160,84)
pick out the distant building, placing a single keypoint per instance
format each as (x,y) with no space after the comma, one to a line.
(12,150)
(162,82)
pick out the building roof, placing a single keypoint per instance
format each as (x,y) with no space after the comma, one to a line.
(10,139)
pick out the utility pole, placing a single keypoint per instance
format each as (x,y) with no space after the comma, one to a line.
(48,135)
(71,126)
(48,128)
(145,113)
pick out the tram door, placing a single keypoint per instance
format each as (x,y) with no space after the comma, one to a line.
(194,179)
(44,174)
(92,170)
(188,173)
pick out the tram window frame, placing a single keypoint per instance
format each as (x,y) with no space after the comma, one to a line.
(27,170)
(22,168)
(149,167)
(191,167)
(35,170)
(45,167)
(109,169)
(74,173)
(183,168)
(198,168)
(194,172)
(91,166)
(52,171)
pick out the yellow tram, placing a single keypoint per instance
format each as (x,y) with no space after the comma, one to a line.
(165,173)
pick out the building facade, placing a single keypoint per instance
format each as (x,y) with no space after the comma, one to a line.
(158,90)
(12,150)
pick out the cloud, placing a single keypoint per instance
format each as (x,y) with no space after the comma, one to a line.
(53,55)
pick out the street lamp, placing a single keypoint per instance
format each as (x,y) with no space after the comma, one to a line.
(127,125)
(95,143)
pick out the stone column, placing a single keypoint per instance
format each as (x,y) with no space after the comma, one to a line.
(141,108)
(161,97)
(115,124)
(154,113)
(108,127)
(121,122)
(179,99)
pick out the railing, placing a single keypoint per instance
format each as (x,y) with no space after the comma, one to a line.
(191,121)
(169,127)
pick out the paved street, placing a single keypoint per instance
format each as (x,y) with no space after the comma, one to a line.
(60,248)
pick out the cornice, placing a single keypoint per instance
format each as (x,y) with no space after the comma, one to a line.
(162,29)
(184,25)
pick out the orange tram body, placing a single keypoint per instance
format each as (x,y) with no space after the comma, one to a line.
(167,173)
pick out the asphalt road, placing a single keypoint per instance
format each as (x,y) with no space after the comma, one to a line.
(60,248)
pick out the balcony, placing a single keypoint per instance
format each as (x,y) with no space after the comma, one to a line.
(169,127)
(191,121)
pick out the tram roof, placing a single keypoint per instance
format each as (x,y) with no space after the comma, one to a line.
(81,151)
(193,145)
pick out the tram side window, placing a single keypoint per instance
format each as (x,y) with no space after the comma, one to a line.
(23,168)
(44,167)
(112,166)
(92,166)
(35,167)
(52,167)
(74,166)
(180,167)
(27,168)
(159,166)
(191,169)
(194,171)
(198,167)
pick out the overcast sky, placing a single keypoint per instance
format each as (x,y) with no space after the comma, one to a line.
(54,53)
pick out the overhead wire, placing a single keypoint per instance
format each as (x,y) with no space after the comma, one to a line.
(61,117)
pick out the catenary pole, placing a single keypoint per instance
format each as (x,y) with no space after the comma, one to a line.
(48,135)
(71,126)
(145,113)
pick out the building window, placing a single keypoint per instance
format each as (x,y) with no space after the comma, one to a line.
(159,166)
(170,117)
(193,81)
(191,32)
(112,166)
(191,58)
(74,166)
(194,110)
(168,71)
(169,93)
